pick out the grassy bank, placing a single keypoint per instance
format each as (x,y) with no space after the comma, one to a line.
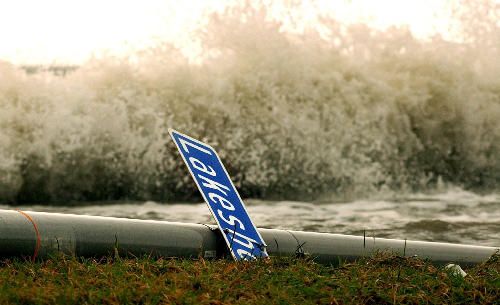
(382,279)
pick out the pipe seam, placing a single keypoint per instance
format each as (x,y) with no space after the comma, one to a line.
(37,232)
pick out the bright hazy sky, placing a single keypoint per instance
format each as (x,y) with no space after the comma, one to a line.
(70,31)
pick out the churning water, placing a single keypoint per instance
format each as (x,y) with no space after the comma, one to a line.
(453,216)
(347,114)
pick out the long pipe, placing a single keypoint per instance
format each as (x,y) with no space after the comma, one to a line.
(38,235)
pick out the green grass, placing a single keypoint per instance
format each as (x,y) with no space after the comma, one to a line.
(381,279)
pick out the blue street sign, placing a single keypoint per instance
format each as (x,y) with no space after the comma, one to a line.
(214,183)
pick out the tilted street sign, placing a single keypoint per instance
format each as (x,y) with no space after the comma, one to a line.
(219,192)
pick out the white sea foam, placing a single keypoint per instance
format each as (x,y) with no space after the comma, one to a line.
(292,115)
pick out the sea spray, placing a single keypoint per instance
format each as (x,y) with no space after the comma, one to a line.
(300,116)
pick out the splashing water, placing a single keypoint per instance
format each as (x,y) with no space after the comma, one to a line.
(354,114)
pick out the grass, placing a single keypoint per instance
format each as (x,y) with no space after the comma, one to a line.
(381,279)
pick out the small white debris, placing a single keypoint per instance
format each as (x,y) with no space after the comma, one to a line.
(456,269)
(210,254)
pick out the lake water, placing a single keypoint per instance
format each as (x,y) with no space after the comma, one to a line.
(454,216)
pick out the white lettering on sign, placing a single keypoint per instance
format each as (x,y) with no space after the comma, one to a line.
(249,242)
(185,144)
(226,204)
(245,254)
(213,184)
(232,220)
(202,167)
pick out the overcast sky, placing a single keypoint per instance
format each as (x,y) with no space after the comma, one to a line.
(70,31)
